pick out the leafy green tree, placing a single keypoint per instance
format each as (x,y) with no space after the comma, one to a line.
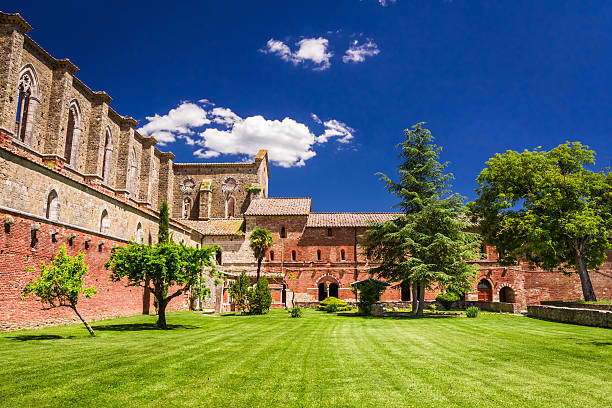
(61,283)
(160,267)
(260,241)
(369,293)
(239,291)
(429,243)
(260,298)
(546,208)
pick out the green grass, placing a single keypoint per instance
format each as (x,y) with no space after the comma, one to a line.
(320,360)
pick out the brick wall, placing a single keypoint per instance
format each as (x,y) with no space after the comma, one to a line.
(17,254)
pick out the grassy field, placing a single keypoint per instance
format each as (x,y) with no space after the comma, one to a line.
(320,360)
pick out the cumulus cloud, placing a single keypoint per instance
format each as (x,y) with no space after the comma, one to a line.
(179,121)
(312,51)
(335,128)
(220,131)
(358,52)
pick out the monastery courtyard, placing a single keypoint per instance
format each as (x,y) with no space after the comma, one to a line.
(320,360)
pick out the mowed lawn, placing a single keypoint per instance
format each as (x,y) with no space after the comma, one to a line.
(320,360)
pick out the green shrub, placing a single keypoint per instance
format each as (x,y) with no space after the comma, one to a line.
(472,311)
(432,307)
(296,312)
(260,298)
(332,301)
(332,308)
(446,299)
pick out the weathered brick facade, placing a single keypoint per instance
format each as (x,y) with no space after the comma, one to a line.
(70,166)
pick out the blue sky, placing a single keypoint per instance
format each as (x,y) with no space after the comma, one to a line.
(486,76)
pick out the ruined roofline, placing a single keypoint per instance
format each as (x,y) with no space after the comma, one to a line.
(15,19)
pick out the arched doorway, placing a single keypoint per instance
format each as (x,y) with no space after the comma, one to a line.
(506,294)
(333,290)
(405,291)
(485,291)
(322,291)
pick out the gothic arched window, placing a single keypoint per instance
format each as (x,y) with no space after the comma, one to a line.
(230,207)
(73,134)
(53,206)
(108,152)
(104,222)
(28,98)
(186,207)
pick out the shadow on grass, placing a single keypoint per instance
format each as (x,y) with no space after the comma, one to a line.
(140,327)
(30,337)
(600,343)
(400,316)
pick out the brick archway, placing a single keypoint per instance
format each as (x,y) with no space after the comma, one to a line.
(485,290)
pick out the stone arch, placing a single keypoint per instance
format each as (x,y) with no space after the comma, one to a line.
(139,233)
(105,222)
(28,100)
(51,209)
(73,133)
(507,294)
(107,155)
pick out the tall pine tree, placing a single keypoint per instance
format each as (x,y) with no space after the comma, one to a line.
(429,244)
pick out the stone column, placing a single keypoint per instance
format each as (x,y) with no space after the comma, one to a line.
(205,198)
(97,135)
(12,30)
(54,136)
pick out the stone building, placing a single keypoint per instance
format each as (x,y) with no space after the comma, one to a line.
(73,171)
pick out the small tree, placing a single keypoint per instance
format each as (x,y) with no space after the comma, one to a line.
(61,283)
(239,291)
(370,291)
(159,267)
(260,298)
(547,208)
(261,241)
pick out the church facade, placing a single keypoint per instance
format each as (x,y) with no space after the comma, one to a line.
(75,172)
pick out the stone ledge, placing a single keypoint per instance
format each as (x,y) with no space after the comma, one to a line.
(584,317)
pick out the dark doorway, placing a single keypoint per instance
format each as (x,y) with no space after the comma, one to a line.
(284,295)
(506,294)
(485,291)
(405,291)
(322,291)
(333,290)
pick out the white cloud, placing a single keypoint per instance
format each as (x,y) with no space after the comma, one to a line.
(334,128)
(220,131)
(385,3)
(313,51)
(225,116)
(358,52)
(178,121)
(206,102)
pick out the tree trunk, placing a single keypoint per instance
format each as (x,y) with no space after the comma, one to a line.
(421,299)
(415,297)
(89,329)
(161,314)
(258,267)
(585,280)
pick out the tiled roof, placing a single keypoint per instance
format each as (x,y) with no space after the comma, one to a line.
(279,206)
(217,226)
(347,219)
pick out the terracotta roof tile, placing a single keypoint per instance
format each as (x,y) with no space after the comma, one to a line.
(217,226)
(279,206)
(347,219)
